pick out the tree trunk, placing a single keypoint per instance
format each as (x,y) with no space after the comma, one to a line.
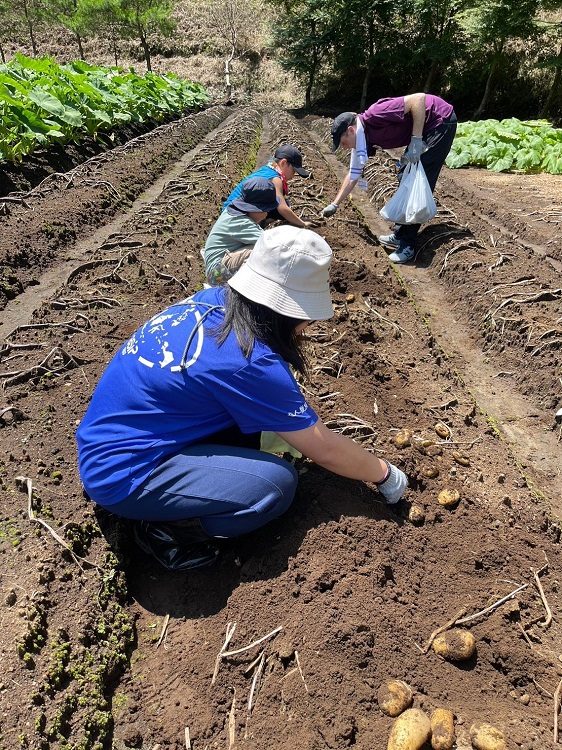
(489,86)
(555,88)
(32,37)
(114,45)
(369,70)
(365,88)
(2,55)
(431,75)
(80,48)
(146,51)
(227,81)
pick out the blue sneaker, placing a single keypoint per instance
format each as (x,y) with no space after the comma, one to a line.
(389,241)
(404,253)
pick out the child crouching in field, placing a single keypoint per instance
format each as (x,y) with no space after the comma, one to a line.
(236,231)
(286,163)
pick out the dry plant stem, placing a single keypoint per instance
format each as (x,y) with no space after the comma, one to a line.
(525,636)
(230,628)
(254,663)
(548,620)
(540,687)
(187,739)
(556,710)
(255,682)
(300,671)
(386,320)
(28,484)
(163,632)
(442,629)
(493,606)
(232,723)
(226,654)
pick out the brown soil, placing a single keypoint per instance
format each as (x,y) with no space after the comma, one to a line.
(356,589)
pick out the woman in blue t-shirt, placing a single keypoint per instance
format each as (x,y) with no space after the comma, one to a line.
(171,436)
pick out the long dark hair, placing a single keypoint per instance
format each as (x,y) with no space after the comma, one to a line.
(253,322)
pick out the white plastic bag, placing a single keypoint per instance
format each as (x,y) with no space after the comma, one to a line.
(413,202)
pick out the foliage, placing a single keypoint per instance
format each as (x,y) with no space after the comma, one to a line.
(508,145)
(304,36)
(42,102)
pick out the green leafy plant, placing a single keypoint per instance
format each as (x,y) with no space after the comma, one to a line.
(508,145)
(42,102)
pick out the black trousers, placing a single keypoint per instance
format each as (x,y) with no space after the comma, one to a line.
(439,142)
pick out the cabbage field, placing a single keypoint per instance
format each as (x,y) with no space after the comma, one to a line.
(42,102)
(508,145)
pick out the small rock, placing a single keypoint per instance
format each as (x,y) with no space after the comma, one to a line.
(11,598)
(525,699)
(350,298)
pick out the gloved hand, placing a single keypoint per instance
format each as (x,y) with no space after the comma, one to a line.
(414,151)
(330,210)
(393,487)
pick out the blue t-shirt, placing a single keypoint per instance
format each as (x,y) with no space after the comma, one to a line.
(146,407)
(266,171)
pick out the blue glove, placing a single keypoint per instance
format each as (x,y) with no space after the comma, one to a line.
(394,485)
(330,209)
(414,151)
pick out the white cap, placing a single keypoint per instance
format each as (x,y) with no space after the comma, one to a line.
(288,271)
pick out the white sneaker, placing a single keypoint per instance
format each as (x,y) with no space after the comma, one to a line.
(403,254)
(389,240)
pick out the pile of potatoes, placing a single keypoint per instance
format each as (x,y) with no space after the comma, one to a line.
(413,728)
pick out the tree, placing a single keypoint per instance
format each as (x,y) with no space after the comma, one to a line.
(128,19)
(304,34)
(491,24)
(141,18)
(239,27)
(362,30)
(103,18)
(552,26)
(65,13)
(8,25)
(27,14)
(436,36)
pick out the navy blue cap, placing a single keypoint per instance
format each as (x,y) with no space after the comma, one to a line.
(258,194)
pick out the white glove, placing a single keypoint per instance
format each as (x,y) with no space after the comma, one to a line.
(330,210)
(414,150)
(393,487)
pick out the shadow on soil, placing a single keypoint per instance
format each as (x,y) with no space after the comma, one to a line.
(265,554)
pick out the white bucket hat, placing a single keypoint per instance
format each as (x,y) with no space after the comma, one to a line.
(288,271)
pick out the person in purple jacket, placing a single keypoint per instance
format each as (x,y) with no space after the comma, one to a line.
(424,123)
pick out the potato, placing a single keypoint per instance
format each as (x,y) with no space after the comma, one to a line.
(448,498)
(442,729)
(487,737)
(429,472)
(416,515)
(394,697)
(410,731)
(403,438)
(456,644)
(442,430)
(460,458)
